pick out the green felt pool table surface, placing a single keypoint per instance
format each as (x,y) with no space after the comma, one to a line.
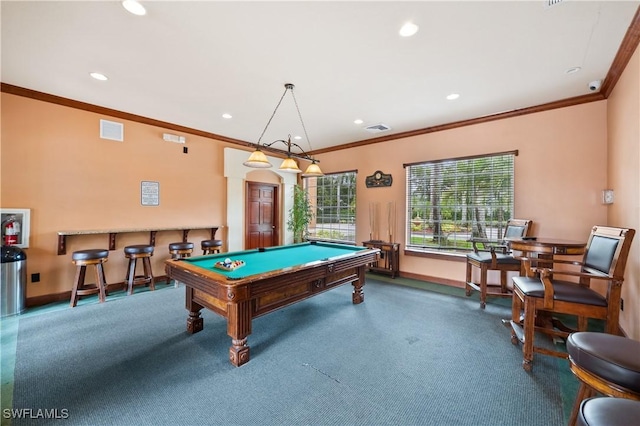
(261,261)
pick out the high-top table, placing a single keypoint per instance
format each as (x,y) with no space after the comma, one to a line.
(547,246)
(544,247)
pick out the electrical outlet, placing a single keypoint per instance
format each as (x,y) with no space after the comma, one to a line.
(622,304)
(35,278)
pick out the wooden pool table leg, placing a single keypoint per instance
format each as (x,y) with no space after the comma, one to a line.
(195,322)
(358,296)
(238,328)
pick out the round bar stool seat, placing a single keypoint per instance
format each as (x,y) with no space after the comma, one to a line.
(133,253)
(604,363)
(82,259)
(180,250)
(211,246)
(605,411)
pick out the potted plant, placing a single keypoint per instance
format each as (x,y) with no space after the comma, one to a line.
(300,215)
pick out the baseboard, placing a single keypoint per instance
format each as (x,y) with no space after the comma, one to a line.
(435,280)
(66,295)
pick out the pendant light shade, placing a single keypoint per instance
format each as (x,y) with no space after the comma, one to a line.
(257,158)
(289,165)
(313,170)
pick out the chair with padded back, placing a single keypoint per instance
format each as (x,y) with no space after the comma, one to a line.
(494,256)
(542,292)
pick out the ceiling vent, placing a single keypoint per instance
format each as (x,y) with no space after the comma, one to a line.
(377,128)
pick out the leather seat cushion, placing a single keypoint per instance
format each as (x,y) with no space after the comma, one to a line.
(138,249)
(562,290)
(605,411)
(181,246)
(90,254)
(211,243)
(614,358)
(485,257)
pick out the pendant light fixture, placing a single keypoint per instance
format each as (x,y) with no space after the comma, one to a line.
(258,159)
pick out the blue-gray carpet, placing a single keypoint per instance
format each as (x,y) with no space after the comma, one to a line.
(403,357)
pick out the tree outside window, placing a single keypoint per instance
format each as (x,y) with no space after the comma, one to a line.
(333,200)
(451,201)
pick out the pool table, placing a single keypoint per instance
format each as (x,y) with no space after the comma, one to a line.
(270,278)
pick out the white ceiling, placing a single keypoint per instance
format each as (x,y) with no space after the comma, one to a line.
(187,63)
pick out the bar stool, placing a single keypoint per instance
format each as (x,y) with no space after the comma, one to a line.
(133,253)
(605,411)
(604,363)
(211,246)
(179,251)
(82,259)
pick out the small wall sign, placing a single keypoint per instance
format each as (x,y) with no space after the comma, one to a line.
(150,193)
(378,179)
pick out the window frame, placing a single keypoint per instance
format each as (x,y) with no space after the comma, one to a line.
(461,223)
(317,230)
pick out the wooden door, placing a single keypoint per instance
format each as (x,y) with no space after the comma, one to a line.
(261,215)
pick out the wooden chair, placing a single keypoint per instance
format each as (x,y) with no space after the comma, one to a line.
(495,256)
(604,260)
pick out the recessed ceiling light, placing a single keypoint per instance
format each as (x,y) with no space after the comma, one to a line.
(453,96)
(98,76)
(297,137)
(573,70)
(134,7)
(225,115)
(408,29)
(358,121)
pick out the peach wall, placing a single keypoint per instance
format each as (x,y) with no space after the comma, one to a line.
(623,177)
(54,162)
(559,174)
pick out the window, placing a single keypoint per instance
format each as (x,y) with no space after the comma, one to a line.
(451,201)
(334,199)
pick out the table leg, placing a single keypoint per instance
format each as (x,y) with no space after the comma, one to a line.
(239,352)
(238,328)
(358,295)
(195,322)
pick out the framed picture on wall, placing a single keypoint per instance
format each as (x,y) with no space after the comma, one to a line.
(150,193)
